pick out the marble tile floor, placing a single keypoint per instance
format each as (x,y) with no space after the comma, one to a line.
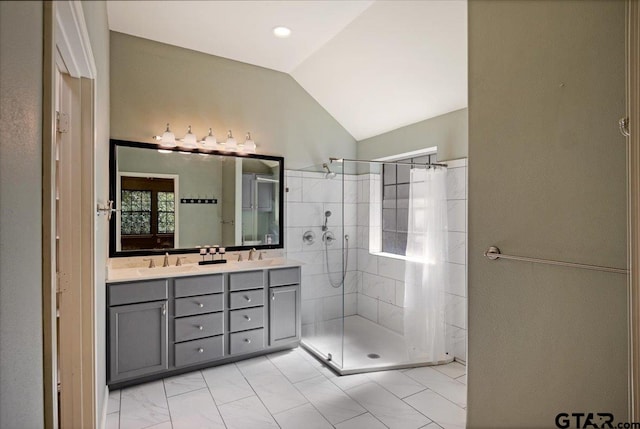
(293,390)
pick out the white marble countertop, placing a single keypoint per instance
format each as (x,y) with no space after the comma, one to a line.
(126,274)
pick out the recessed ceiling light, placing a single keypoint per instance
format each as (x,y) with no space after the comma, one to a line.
(282,32)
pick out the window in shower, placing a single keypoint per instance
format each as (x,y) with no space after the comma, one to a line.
(395,203)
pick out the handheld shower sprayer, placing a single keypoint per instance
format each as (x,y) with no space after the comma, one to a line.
(326,217)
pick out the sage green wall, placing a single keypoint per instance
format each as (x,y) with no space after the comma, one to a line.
(546,179)
(95,15)
(449,132)
(153,83)
(21,377)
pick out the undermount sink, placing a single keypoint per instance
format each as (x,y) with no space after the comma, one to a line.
(259,263)
(168,270)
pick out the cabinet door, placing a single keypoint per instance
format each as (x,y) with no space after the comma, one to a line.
(137,340)
(247,191)
(265,196)
(284,314)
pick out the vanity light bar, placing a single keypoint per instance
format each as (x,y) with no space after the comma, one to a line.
(168,141)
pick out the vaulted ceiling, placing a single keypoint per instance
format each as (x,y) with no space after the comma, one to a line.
(373,65)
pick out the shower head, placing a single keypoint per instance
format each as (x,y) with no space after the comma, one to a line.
(330,174)
(327,213)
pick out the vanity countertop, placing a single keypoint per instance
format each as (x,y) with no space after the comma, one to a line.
(117,275)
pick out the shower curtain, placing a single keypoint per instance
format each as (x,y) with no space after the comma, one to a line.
(426,266)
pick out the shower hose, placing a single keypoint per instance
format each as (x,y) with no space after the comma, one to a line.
(346,262)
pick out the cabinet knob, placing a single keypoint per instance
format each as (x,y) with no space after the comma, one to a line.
(200,350)
(164,309)
(247,298)
(201,305)
(200,327)
(248,318)
(273,296)
(247,340)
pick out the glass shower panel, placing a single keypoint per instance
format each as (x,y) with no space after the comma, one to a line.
(316,217)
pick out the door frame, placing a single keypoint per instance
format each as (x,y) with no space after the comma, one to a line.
(67,46)
(633,188)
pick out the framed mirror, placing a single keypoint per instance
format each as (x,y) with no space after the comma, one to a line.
(174,200)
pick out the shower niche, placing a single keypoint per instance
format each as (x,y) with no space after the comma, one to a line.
(354,311)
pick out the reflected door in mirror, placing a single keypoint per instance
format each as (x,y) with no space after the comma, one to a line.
(147,213)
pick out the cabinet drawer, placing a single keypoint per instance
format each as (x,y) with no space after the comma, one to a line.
(197,351)
(129,293)
(201,285)
(248,318)
(248,341)
(199,304)
(284,276)
(249,298)
(190,328)
(246,280)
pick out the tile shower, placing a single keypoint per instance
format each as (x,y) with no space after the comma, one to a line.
(370,303)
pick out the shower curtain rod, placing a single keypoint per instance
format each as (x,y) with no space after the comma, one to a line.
(364,161)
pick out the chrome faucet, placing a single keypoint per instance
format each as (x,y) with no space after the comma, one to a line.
(151,263)
(260,256)
(166,260)
(252,252)
(179,260)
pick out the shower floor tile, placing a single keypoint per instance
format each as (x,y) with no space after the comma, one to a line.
(315,397)
(365,345)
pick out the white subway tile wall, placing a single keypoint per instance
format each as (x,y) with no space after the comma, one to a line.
(374,284)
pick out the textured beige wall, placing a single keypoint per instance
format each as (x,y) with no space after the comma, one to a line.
(153,83)
(21,376)
(449,132)
(95,15)
(546,179)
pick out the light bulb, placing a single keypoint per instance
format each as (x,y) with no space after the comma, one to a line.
(168,138)
(231,143)
(190,139)
(249,144)
(210,140)
(282,32)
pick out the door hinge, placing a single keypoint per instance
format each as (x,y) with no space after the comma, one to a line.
(62,122)
(61,283)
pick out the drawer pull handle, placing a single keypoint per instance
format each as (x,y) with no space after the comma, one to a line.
(200,327)
(248,318)
(164,309)
(200,350)
(273,296)
(247,340)
(247,298)
(201,305)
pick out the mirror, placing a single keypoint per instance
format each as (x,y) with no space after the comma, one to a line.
(175,200)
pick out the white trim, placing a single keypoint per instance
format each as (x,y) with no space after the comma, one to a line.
(105,407)
(72,39)
(426,151)
(176,193)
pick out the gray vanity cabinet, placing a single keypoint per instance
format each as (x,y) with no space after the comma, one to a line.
(138,339)
(284,306)
(164,327)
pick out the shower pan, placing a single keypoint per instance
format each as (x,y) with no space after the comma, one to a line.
(352,315)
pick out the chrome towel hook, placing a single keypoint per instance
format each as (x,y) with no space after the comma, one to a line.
(623,125)
(107,209)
